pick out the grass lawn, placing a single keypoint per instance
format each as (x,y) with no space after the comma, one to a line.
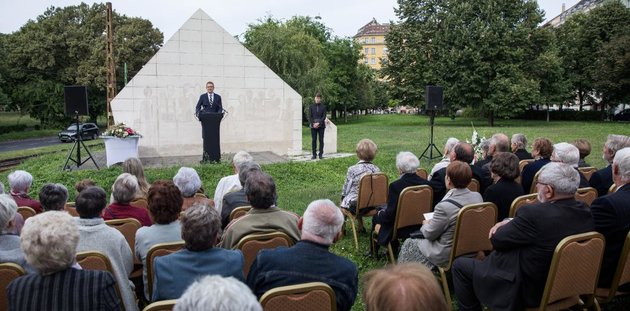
(300,183)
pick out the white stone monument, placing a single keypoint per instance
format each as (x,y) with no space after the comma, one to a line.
(264,113)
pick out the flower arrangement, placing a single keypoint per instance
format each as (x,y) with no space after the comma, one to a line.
(476,142)
(120,130)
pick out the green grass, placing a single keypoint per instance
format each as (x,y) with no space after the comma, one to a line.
(14,118)
(299,183)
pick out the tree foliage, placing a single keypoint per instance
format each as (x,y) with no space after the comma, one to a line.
(66,46)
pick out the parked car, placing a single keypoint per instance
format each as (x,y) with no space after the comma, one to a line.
(623,115)
(88,131)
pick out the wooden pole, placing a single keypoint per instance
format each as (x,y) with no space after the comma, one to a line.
(111,66)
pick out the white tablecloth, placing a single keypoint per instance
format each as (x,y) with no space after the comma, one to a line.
(120,149)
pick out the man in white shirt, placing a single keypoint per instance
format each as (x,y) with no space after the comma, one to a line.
(230,183)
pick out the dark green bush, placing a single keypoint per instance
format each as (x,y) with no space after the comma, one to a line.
(12,128)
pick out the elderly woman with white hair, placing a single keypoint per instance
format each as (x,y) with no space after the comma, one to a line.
(446,159)
(213,292)
(10,250)
(19,183)
(407,164)
(189,183)
(124,191)
(569,154)
(49,241)
(519,143)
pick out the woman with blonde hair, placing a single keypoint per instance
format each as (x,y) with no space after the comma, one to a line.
(134,167)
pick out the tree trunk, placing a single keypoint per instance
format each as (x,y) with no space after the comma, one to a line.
(581,99)
(491,118)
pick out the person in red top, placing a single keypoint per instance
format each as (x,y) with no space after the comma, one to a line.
(19,182)
(124,191)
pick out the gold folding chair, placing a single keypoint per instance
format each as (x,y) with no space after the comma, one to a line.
(587,171)
(413,203)
(158,250)
(128,227)
(95,260)
(523,163)
(586,195)
(71,209)
(200,195)
(314,296)
(8,272)
(163,305)
(574,272)
(621,276)
(522,200)
(532,189)
(372,193)
(26,212)
(239,212)
(141,202)
(422,173)
(474,221)
(251,244)
(613,188)
(474,185)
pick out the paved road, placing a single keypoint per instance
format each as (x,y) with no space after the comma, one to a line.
(28,143)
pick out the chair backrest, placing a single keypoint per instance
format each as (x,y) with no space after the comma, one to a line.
(422,173)
(574,270)
(8,272)
(523,163)
(251,244)
(522,200)
(315,296)
(372,191)
(95,260)
(586,195)
(474,221)
(413,203)
(532,189)
(71,209)
(163,305)
(200,195)
(239,212)
(141,202)
(158,250)
(613,188)
(128,228)
(587,171)
(474,185)
(26,212)
(622,273)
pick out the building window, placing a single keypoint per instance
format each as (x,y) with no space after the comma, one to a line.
(366,60)
(366,51)
(373,51)
(365,40)
(384,51)
(373,61)
(373,40)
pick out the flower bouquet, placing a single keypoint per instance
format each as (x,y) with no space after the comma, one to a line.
(120,130)
(476,141)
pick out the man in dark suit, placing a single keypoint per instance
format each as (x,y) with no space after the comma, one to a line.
(407,163)
(611,215)
(317,123)
(499,142)
(209,101)
(461,152)
(602,179)
(514,275)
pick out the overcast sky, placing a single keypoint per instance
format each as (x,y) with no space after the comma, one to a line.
(344,17)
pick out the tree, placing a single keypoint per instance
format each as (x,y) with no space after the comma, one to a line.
(66,46)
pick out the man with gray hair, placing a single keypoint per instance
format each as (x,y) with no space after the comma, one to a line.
(499,142)
(407,164)
(19,183)
(602,179)
(189,184)
(309,260)
(238,198)
(213,292)
(612,216)
(519,145)
(53,197)
(230,183)
(446,160)
(514,275)
(569,154)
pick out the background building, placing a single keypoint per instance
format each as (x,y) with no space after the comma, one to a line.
(580,7)
(371,37)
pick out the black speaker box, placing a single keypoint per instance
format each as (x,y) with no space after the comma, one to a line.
(433,97)
(76,102)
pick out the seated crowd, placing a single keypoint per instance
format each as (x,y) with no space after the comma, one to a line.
(210,261)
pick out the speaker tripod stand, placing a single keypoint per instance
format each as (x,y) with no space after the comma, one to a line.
(78,143)
(431,145)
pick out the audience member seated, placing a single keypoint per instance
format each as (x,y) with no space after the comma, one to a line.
(264,216)
(366,152)
(446,160)
(124,190)
(499,142)
(134,167)
(504,169)
(10,250)
(612,216)
(585,149)
(189,183)
(200,231)
(49,241)
(461,152)
(568,154)
(519,143)
(165,201)
(434,247)
(514,275)
(53,197)
(84,184)
(407,164)
(238,198)
(19,183)
(403,287)
(602,179)
(230,183)
(484,146)
(310,259)
(541,151)
(95,235)
(217,293)
(2,188)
